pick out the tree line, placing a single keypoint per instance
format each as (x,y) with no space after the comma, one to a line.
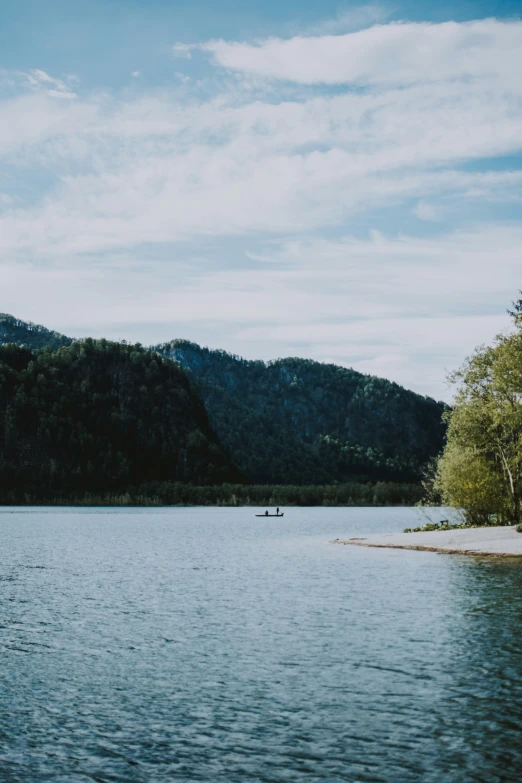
(183,494)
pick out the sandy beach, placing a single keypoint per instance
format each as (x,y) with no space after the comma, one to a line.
(489,541)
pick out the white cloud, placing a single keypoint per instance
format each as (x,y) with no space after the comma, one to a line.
(350,19)
(155,170)
(182,50)
(425,211)
(40,80)
(395,53)
(408,308)
(107,188)
(62,94)
(136,74)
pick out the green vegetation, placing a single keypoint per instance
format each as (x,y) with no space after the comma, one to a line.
(100,417)
(100,422)
(12,330)
(429,527)
(156,493)
(301,422)
(480,470)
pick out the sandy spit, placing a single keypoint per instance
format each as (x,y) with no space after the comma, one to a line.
(480,542)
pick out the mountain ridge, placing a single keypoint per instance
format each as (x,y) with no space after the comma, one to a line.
(293,420)
(44,335)
(14,330)
(320,422)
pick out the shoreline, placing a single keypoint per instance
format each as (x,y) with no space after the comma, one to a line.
(474,542)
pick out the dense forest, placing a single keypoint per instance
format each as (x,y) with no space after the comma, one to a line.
(101,417)
(291,422)
(302,422)
(13,330)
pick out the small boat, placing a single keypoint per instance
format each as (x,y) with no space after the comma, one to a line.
(271,515)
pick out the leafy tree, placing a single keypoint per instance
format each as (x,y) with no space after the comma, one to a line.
(465,480)
(481,467)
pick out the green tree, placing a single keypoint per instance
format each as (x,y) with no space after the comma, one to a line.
(480,469)
(465,480)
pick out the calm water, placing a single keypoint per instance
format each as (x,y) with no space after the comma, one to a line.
(208,645)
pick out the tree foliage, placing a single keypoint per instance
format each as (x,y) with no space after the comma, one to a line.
(300,421)
(101,417)
(34,336)
(480,470)
(295,421)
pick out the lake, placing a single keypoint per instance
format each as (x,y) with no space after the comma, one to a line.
(203,644)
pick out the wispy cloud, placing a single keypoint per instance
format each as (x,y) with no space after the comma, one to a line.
(156,170)
(350,19)
(183,50)
(395,53)
(425,211)
(194,191)
(404,306)
(40,80)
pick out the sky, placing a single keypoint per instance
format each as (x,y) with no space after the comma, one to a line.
(341,182)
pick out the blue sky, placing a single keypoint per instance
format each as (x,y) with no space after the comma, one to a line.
(337,181)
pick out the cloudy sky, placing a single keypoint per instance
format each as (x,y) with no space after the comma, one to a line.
(336,181)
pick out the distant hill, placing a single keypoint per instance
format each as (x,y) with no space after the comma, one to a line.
(12,330)
(296,421)
(100,417)
(302,422)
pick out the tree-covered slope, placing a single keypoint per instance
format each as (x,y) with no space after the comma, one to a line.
(296,421)
(13,330)
(300,421)
(97,417)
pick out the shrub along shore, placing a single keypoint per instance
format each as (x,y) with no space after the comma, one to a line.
(180,494)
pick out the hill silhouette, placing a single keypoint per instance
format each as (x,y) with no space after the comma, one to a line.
(101,417)
(299,421)
(296,421)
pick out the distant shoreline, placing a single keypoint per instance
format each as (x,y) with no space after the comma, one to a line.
(107,504)
(155,494)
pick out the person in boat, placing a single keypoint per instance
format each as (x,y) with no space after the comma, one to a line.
(277,512)
(266,513)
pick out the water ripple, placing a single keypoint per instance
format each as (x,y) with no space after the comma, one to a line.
(194,645)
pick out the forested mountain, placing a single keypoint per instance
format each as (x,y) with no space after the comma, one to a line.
(12,330)
(302,422)
(296,421)
(98,416)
